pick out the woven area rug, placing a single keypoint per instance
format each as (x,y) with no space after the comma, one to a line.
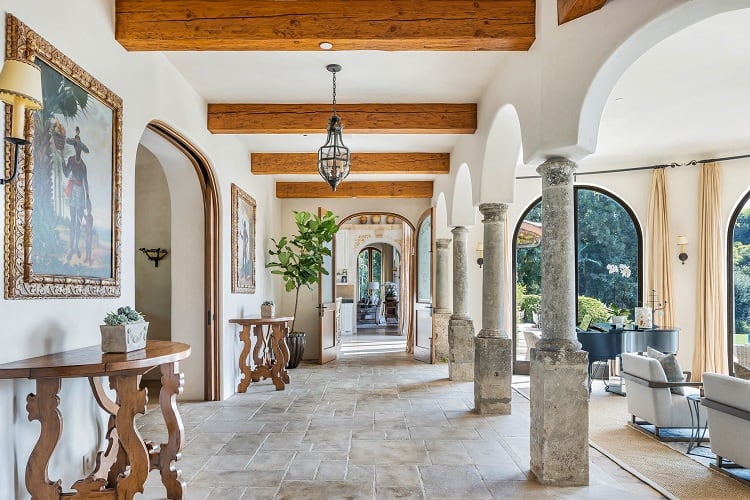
(675,473)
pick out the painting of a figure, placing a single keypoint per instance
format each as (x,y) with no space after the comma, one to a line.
(72,216)
(243,241)
(74,180)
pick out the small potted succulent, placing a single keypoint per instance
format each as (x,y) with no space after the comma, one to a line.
(123,330)
(266,309)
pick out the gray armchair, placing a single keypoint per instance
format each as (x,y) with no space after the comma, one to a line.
(727,400)
(651,399)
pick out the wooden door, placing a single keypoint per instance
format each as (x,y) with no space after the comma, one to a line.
(424,342)
(326,307)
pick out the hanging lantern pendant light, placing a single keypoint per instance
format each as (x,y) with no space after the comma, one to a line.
(333,157)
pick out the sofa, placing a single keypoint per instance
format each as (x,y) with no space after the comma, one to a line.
(727,400)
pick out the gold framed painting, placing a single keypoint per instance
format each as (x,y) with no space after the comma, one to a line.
(243,241)
(63,212)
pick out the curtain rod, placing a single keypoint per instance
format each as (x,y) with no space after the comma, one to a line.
(650,167)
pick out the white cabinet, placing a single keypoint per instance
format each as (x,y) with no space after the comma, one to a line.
(347,318)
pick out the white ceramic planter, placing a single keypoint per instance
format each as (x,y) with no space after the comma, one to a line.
(266,311)
(124,338)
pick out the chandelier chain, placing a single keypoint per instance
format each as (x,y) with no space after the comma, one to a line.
(334,94)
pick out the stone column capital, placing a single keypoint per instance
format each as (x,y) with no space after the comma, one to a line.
(460,231)
(443,243)
(493,212)
(557,171)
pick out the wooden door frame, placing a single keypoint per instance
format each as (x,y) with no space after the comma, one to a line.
(212,253)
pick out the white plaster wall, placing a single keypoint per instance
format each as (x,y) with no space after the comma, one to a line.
(151,89)
(307,319)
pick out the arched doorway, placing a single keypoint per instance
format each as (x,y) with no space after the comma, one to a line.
(178,158)
(372,245)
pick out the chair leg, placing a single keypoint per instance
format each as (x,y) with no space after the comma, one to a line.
(719,461)
(656,431)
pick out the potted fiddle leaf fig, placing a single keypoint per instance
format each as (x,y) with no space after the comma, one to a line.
(123,330)
(299,262)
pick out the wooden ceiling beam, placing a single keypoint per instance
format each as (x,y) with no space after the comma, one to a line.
(172,25)
(355,189)
(567,10)
(362,163)
(431,118)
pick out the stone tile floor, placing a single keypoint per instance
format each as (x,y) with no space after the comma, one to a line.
(373,424)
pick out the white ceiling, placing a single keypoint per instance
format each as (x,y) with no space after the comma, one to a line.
(686,98)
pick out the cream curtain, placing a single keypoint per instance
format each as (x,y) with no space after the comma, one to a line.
(659,249)
(711,320)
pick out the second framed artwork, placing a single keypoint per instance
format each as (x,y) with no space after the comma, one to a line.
(243,241)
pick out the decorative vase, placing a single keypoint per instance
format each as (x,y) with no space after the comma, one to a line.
(618,321)
(124,338)
(296,343)
(363,219)
(375,219)
(266,311)
(390,219)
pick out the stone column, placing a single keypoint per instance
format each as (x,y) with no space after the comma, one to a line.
(442,311)
(460,326)
(493,361)
(559,368)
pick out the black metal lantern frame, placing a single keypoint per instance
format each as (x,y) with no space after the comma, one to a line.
(333,157)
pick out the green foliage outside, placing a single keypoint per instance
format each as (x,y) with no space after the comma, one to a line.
(529,304)
(741,272)
(300,258)
(606,236)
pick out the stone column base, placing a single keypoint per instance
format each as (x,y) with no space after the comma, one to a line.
(560,417)
(440,324)
(461,350)
(493,369)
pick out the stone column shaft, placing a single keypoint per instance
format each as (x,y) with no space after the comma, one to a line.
(558,307)
(460,326)
(460,273)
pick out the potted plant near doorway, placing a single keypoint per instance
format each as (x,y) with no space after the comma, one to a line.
(299,262)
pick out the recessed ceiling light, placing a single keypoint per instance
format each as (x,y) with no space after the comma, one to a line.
(326,45)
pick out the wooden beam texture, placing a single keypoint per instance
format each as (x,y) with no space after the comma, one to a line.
(302,24)
(352,189)
(357,118)
(362,163)
(567,10)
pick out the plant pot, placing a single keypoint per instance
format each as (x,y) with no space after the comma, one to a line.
(266,311)
(296,343)
(124,338)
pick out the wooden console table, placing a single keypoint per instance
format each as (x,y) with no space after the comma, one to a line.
(271,354)
(122,469)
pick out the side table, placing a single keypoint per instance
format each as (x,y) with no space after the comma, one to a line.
(271,353)
(697,432)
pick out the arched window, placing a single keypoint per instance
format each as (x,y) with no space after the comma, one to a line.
(370,266)
(738,293)
(608,250)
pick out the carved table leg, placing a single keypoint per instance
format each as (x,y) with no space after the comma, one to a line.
(260,360)
(172,382)
(132,400)
(43,407)
(280,360)
(282,331)
(244,369)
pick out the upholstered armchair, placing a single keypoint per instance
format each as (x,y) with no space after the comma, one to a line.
(727,400)
(651,397)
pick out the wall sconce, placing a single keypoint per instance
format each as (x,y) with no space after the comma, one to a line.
(21,87)
(155,254)
(480,254)
(682,241)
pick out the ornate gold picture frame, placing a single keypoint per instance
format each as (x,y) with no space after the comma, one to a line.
(243,241)
(63,213)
